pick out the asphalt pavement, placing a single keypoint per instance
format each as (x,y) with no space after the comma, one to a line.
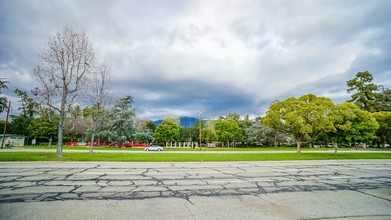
(348,189)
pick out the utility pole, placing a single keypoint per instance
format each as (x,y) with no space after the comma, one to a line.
(5,124)
(200,130)
(190,136)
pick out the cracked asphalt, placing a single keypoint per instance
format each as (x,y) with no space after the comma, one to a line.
(349,189)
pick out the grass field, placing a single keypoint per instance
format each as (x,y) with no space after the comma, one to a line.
(176,156)
(158,157)
(203,149)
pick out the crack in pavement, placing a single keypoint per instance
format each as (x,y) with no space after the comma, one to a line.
(144,183)
(348,217)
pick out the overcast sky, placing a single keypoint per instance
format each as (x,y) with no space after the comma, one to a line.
(178,57)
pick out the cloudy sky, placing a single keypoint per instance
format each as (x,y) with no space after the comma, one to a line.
(178,57)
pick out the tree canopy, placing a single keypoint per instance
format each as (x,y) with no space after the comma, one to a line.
(307,116)
(118,125)
(228,130)
(384,131)
(167,131)
(353,124)
(366,96)
(3,99)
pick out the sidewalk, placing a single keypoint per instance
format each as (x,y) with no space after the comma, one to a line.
(192,152)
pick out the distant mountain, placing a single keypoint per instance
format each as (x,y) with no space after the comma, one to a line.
(187,121)
(183,121)
(158,122)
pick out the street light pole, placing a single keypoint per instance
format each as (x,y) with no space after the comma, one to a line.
(200,130)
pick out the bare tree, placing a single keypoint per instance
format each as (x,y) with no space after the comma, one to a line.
(65,65)
(99,95)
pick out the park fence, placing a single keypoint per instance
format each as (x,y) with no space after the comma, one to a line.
(107,144)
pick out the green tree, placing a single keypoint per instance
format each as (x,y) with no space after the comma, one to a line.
(274,120)
(262,135)
(28,109)
(384,131)
(167,131)
(343,117)
(195,130)
(43,128)
(385,99)
(151,126)
(3,99)
(186,133)
(246,123)
(305,117)
(119,124)
(363,129)
(143,136)
(208,135)
(234,116)
(316,112)
(366,94)
(353,124)
(228,130)
(143,133)
(95,117)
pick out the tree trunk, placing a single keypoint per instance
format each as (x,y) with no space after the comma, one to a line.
(60,141)
(275,141)
(298,145)
(61,122)
(92,139)
(364,146)
(335,148)
(91,151)
(50,141)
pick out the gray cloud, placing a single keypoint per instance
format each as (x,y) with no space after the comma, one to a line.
(180,57)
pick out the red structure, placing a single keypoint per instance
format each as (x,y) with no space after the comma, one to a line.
(107,144)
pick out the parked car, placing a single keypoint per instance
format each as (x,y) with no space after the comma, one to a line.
(153,148)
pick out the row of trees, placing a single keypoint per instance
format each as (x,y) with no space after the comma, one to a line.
(363,119)
(305,120)
(119,124)
(226,129)
(116,124)
(308,119)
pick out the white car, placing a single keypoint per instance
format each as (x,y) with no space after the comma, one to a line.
(153,148)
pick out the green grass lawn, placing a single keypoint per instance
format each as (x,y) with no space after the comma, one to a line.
(159,157)
(198,149)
